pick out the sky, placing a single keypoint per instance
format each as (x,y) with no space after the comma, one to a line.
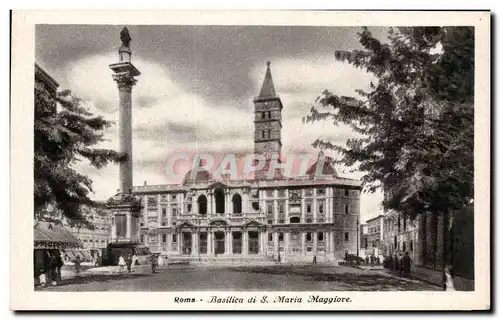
(197,84)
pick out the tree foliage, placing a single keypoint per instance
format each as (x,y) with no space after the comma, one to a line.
(415,125)
(61,139)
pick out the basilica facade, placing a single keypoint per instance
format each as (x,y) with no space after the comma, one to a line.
(290,218)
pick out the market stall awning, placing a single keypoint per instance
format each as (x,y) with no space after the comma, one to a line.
(48,235)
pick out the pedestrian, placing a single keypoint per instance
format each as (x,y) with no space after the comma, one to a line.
(406,264)
(367,260)
(400,264)
(153,259)
(395,266)
(279,257)
(121,263)
(78,262)
(135,259)
(314,259)
(129,263)
(53,269)
(59,265)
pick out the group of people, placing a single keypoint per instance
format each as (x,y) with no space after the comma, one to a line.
(51,271)
(400,263)
(129,261)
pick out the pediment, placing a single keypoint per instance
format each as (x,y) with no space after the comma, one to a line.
(253,223)
(219,222)
(185,225)
(217,185)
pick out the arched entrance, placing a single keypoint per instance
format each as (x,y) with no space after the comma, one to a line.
(220,242)
(219,200)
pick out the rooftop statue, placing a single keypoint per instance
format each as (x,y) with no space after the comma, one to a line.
(125,37)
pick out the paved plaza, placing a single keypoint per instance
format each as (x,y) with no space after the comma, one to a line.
(248,278)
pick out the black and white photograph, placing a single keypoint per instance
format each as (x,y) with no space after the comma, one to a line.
(258,165)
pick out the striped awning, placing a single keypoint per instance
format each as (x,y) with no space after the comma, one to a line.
(48,235)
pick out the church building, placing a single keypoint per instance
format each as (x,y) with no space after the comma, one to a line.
(296,218)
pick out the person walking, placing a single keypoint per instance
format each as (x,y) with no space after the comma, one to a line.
(121,264)
(154,261)
(135,259)
(406,264)
(59,265)
(279,257)
(53,269)
(314,259)
(129,263)
(78,262)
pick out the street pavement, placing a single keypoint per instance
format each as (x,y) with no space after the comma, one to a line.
(248,278)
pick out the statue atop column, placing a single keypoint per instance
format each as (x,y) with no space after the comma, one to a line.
(125,37)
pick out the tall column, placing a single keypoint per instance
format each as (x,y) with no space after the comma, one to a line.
(244,237)
(303,243)
(158,212)
(129,225)
(276,244)
(169,214)
(262,236)
(230,242)
(314,206)
(315,242)
(332,243)
(275,209)
(303,207)
(245,202)
(193,243)
(124,76)
(287,244)
(209,242)
(229,203)
(179,242)
(113,231)
(194,204)
(327,205)
(287,220)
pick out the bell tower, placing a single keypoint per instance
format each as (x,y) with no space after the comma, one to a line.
(267,120)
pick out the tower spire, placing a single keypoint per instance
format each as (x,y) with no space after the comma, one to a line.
(267,90)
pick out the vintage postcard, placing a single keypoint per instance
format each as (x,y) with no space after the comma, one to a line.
(250,160)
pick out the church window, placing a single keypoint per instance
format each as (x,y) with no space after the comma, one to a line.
(308,208)
(320,192)
(269,114)
(269,208)
(164,237)
(295,220)
(174,237)
(308,236)
(263,115)
(320,236)
(280,237)
(270,236)
(346,236)
(346,209)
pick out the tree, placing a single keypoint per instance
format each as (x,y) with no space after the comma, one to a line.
(415,126)
(60,140)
